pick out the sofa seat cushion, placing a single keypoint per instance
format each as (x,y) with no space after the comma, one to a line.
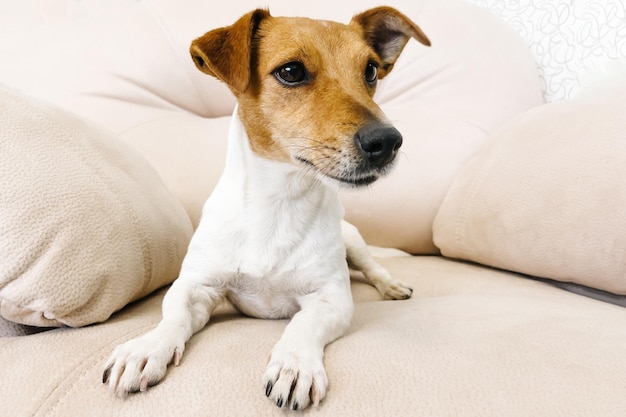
(472,341)
(86,224)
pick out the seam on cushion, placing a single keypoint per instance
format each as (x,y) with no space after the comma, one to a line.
(464,212)
(108,347)
(504,135)
(121,133)
(165,104)
(148,275)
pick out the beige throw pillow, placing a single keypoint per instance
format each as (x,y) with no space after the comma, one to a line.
(547,197)
(86,225)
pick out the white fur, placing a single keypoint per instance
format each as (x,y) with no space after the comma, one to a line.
(270,241)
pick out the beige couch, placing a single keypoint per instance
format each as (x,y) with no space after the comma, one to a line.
(110,141)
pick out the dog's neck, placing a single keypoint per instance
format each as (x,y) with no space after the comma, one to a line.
(276,201)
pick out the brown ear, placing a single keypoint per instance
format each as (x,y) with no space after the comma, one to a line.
(387,31)
(225,53)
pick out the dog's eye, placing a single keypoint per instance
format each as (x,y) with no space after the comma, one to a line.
(292,73)
(371,73)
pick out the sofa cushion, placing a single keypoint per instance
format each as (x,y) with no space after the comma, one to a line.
(547,196)
(86,225)
(140,81)
(471,342)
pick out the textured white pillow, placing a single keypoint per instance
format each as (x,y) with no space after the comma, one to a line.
(86,225)
(547,197)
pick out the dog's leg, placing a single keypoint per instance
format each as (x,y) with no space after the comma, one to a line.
(187,306)
(295,375)
(360,259)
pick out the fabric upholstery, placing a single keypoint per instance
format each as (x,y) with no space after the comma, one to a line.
(547,196)
(86,225)
(472,342)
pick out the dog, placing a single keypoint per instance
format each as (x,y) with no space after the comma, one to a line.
(272,239)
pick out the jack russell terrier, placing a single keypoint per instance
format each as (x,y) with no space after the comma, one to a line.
(271,239)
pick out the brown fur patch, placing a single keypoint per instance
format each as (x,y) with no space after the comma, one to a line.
(318,118)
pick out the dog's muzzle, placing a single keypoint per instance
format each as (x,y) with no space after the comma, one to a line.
(376,147)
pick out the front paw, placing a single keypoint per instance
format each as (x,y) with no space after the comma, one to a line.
(389,287)
(395,290)
(141,362)
(294,380)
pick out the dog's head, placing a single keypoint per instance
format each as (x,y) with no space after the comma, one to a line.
(305,87)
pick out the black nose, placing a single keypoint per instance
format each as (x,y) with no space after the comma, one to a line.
(378,143)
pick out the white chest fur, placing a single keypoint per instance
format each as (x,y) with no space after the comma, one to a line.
(270,233)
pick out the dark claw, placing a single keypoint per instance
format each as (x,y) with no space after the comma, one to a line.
(279,403)
(295,406)
(106,374)
(268,388)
